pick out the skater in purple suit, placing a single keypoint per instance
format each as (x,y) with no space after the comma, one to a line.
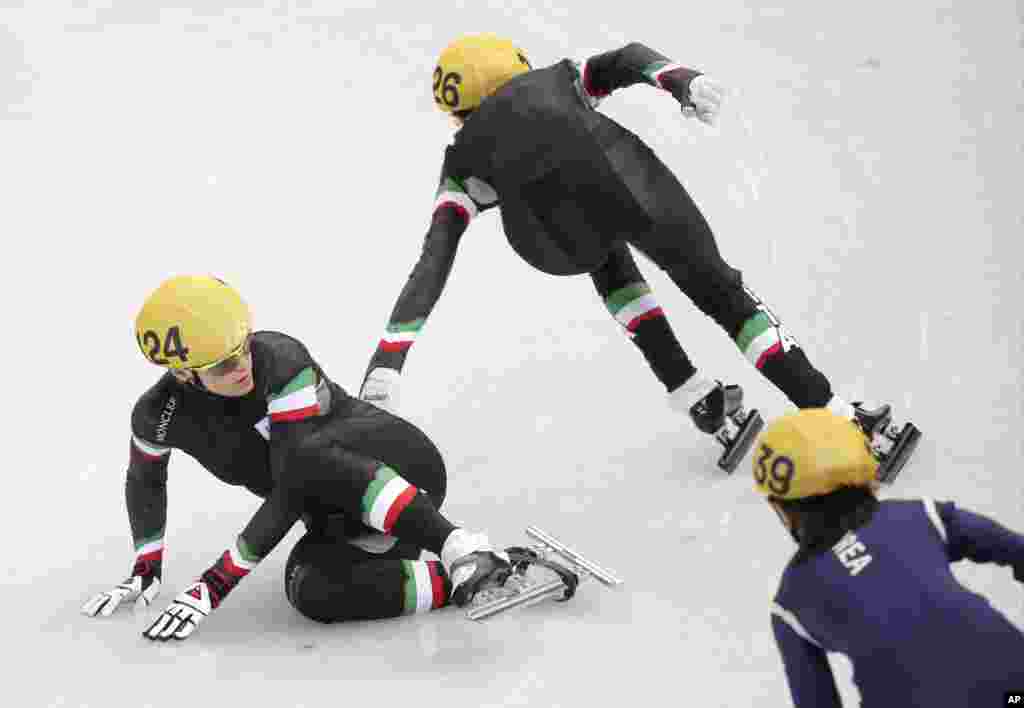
(872,580)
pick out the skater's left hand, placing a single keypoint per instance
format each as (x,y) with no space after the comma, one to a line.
(183,615)
(705,99)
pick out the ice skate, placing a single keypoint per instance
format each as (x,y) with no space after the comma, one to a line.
(891,444)
(537,576)
(472,565)
(476,572)
(720,413)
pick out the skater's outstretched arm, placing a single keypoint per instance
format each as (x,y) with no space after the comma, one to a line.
(980,539)
(145,492)
(456,203)
(635,64)
(807,669)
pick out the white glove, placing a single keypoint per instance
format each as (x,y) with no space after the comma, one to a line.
(142,588)
(183,615)
(706,96)
(381,388)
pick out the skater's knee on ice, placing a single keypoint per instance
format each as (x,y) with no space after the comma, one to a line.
(301,589)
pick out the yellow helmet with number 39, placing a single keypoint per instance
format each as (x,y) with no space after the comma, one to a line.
(192,322)
(810,453)
(472,68)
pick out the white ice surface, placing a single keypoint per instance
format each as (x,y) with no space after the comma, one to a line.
(865,176)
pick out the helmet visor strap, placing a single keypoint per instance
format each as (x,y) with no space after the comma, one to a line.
(229,363)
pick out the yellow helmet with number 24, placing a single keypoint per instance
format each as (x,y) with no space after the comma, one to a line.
(472,68)
(192,322)
(810,453)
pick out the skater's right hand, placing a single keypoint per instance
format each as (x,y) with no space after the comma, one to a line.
(143,585)
(705,99)
(381,388)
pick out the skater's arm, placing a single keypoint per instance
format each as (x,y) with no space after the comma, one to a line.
(635,64)
(145,488)
(454,209)
(145,492)
(271,523)
(811,683)
(979,538)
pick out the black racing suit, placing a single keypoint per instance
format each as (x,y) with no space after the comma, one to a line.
(347,468)
(576,189)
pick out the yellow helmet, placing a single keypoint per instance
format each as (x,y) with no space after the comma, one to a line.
(472,68)
(810,453)
(192,322)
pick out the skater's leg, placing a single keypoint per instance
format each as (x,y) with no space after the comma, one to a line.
(628,298)
(332,479)
(687,251)
(376,433)
(328,579)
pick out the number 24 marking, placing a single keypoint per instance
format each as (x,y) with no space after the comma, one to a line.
(172,345)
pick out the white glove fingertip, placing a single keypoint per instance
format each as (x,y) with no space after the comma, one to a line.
(90,608)
(185,629)
(159,625)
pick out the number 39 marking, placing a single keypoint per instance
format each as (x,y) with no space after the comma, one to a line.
(446,87)
(780,476)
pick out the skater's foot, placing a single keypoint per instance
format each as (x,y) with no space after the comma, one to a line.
(718,410)
(472,565)
(891,444)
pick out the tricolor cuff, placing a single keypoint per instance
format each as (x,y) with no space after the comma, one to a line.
(239,560)
(399,336)
(585,86)
(632,305)
(759,340)
(386,497)
(424,587)
(150,550)
(452,194)
(148,449)
(657,70)
(297,400)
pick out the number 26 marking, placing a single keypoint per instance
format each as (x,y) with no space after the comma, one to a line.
(446,89)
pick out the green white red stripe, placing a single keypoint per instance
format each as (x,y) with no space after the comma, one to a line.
(759,339)
(239,560)
(592,95)
(148,449)
(297,400)
(451,193)
(399,336)
(632,305)
(423,589)
(656,70)
(150,548)
(385,499)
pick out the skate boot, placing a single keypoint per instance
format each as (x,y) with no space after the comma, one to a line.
(545,570)
(472,565)
(720,413)
(522,558)
(891,444)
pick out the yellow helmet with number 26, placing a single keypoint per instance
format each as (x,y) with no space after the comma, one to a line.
(810,453)
(192,322)
(472,68)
